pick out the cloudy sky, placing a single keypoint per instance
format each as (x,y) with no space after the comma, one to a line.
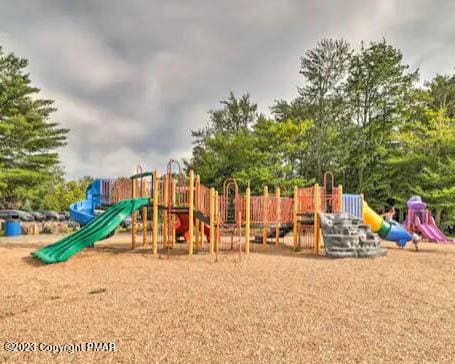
(132,78)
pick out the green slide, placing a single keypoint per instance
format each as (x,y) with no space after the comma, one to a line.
(99,228)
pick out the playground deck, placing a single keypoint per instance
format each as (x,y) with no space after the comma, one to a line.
(273,306)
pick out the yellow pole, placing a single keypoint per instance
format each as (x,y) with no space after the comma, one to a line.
(174,217)
(166,215)
(340,198)
(134,217)
(155,213)
(247,220)
(278,215)
(295,217)
(144,216)
(200,223)
(264,228)
(316,203)
(212,222)
(190,213)
(217,225)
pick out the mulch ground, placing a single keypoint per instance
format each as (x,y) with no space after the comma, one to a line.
(273,306)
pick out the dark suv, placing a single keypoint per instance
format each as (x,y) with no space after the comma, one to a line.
(38,216)
(16,214)
(50,215)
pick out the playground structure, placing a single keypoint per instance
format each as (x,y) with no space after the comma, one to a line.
(420,220)
(175,207)
(163,207)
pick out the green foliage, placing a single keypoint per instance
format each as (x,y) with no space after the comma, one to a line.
(275,155)
(256,151)
(378,95)
(428,149)
(62,194)
(355,98)
(28,139)
(441,91)
(321,99)
(358,114)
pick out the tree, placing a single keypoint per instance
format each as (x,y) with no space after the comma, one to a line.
(63,194)
(379,93)
(219,149)
(275,154)
(428,150)
(358,114)
(325,70)
(239,143)
(441,91)
(28,139)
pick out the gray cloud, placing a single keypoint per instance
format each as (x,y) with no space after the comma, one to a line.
(132,78)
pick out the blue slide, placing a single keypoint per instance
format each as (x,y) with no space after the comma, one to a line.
(84,211)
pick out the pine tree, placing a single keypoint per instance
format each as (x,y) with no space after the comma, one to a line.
(28,138)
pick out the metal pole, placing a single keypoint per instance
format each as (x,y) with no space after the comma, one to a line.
(295,217)
(144,217)
(174,217)
(190,213)
(155,214)
(134,217)
(247,220)
(211,220)
(278,215)
(316,197)
(217,226)
(265,217)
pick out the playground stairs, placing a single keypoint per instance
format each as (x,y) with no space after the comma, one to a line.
(346,236)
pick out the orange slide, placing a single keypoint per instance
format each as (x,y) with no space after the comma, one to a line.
(182,226)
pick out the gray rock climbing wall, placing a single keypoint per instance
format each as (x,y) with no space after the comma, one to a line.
(347,236)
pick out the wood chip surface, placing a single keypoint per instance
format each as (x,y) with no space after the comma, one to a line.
(275,306)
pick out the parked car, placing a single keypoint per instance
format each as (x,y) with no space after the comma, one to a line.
(16,214)
(50,215)
(64,216)
(126,224)
(38,216)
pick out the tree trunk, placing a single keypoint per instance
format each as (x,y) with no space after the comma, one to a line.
(437,216)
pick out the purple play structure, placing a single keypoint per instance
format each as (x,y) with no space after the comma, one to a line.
(420,220)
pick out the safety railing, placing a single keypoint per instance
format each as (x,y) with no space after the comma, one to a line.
(182,196)
(286,210)
(352,204)
(330,200)
(106,191)
(122,189)
(305,200)
(203,201)
(269,210)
